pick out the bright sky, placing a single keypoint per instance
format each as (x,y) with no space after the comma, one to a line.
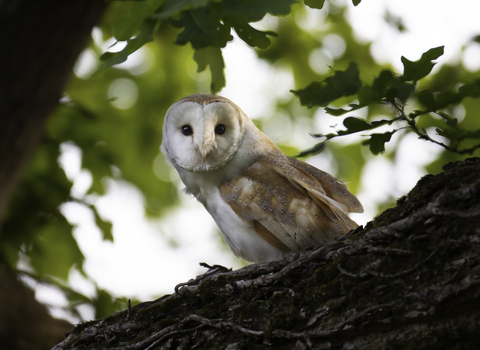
(142,264)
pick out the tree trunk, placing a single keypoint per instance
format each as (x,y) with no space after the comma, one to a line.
(410,279)
(25,324)
(40,41)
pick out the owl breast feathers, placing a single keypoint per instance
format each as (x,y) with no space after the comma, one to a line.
(266,204)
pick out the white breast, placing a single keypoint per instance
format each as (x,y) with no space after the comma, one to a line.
(244,242)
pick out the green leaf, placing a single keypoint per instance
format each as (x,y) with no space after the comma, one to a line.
(414,71)
(395,22)
(433,102)
(322,93)
(454,135)
(105,304)
(202,28)
(33,209)
(212,57)
(471,89)
(315,4)
(451,121)
(472,134)
(99,165)
(382,83)
(172,7)
(128,16)
(354,125)
(399,89)
(427,99)
(327,136)
(319,147)
(377,123)
(253,37)
(104,226)
(377,142)
(55,251)
(367,95)
(356,2)
(145,36)
(74,297)
(255,10)
(336,112)
(458,134)
(385,87)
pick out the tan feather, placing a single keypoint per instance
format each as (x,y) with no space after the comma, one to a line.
(333,187)
(290,202)
(269,237)
(204,99)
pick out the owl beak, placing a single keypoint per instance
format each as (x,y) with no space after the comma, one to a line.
(205,149)
(204,155)
(208,144)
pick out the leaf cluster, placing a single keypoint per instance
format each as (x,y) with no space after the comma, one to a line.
(396,91)
(206,24)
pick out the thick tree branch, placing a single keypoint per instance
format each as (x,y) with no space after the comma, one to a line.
(411,278)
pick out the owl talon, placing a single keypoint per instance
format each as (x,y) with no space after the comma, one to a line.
(192,285)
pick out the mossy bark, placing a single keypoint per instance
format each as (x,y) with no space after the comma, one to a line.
(409,279)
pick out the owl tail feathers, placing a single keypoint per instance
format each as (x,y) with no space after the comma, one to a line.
(331,186)
(339,210)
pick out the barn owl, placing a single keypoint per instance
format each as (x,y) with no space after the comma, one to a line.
(265,203)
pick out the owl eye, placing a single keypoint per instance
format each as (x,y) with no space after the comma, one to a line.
(187,130)
(220,129)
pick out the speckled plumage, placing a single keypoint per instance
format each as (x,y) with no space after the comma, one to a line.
(266,204)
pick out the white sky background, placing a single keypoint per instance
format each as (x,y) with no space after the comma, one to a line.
(141,263)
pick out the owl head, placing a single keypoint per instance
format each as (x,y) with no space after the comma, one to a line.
(202,132)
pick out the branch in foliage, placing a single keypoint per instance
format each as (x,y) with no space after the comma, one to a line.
(395,90)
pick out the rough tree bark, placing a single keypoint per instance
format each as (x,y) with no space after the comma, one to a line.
(40,41)
(410,279)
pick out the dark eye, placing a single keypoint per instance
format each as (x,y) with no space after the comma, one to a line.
(220,129)
(187,130)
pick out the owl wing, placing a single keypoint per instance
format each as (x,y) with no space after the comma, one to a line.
(334,188)
(291,204)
